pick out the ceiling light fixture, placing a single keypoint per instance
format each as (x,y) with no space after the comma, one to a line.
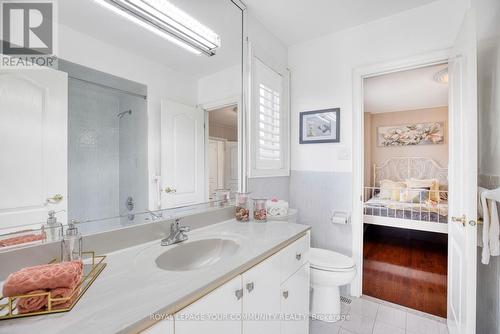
(441,76)
(167,21)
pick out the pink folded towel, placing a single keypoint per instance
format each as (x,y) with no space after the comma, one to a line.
(21,239)
(31,304)
(43,277)
(60,279)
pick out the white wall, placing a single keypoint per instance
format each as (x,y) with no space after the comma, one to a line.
(265,45)
(220,86)
(488,12)
(322,70)
(162,82)
(488,280)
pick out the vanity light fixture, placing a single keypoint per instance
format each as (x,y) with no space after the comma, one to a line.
(167,21)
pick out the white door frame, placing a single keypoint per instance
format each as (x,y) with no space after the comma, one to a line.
(210,106)
(433,58)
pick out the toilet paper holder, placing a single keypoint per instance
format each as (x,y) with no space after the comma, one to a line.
(340,217)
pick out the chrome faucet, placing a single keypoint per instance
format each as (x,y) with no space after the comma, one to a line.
(177,234)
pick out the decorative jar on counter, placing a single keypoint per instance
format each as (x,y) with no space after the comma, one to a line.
(222,196)
(242,207)
(259,210)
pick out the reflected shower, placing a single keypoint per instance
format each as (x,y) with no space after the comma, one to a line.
(123,113)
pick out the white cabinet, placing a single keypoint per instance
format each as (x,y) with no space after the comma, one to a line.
(261,299)
(270,298)
(206,314)
(295,303)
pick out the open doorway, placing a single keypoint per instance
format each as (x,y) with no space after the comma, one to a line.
(405,197)
(222,149)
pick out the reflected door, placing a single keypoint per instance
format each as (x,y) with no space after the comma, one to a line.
(231,179)
(182,155)
(216,150)
(33,133)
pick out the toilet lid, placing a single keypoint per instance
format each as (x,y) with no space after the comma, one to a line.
(328,260)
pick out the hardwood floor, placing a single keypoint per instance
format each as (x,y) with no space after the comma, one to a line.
(406,267)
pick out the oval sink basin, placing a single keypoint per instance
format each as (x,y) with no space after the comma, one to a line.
(196,254)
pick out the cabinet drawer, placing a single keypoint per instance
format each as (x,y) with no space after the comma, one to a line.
(294,256)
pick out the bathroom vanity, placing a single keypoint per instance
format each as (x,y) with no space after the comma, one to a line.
(271,297)
(228,277)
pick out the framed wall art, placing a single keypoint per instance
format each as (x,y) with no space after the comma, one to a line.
(320,126)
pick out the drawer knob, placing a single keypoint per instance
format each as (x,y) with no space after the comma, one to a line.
(298,256)
(238,293)
(250,287)
(285,294)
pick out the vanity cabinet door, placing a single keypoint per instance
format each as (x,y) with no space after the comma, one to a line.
(261,300)
(295,303)
(217,313)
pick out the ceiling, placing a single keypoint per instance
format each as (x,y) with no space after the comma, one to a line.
(296,21)
(405,90)
(225,116)
(90,18)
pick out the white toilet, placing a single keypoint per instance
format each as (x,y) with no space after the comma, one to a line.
(329,271)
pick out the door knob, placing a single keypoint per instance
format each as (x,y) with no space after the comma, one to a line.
(169,190)
(238,293)
(461,219)
(55,199)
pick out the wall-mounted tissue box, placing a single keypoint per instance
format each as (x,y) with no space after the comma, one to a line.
(340,217)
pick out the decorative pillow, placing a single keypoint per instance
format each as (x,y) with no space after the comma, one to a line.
(414,195)
(432,184)
(391,189)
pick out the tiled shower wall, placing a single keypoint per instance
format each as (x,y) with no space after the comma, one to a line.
(93,152)
(107,155)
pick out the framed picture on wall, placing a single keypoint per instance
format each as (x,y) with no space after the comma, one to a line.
(411,134)
(320,126)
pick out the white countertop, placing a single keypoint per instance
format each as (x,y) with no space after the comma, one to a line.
(132,287)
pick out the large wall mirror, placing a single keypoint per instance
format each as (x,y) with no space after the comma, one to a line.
(142,114)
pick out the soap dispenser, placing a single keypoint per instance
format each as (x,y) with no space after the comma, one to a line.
(71,245)
(52,229)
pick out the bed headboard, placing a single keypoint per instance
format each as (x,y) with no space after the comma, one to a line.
(402,168)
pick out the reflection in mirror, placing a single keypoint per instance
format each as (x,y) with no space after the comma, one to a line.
(140,117)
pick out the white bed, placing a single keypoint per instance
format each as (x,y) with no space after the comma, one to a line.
(423,214)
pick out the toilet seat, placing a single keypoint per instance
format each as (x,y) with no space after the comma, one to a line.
(327,260)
